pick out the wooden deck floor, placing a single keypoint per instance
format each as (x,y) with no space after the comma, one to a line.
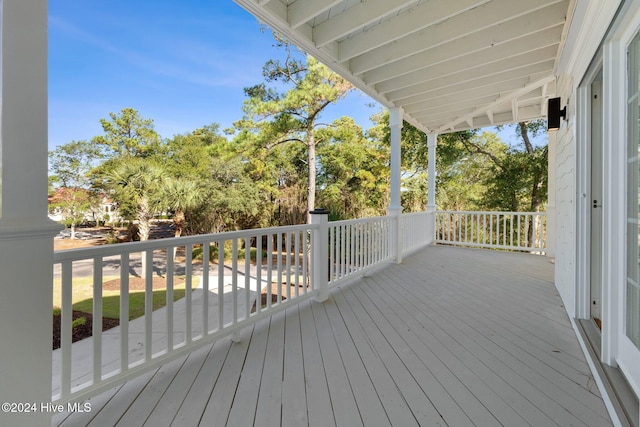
(452,337)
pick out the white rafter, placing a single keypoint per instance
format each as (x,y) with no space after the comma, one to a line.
(498,30)
(450,64)
(502,100)
(356,17)
(301,11)
(422,16)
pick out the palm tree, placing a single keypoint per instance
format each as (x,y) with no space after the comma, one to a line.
(181,195)
(138,182)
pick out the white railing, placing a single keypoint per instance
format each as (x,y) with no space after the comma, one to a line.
(241,277)
(416,231)
(516,231)
(358,245)
(228,297)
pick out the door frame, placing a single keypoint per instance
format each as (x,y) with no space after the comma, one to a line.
(615,343)
(583,190)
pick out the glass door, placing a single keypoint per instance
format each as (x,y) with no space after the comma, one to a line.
(595,201)
(629,355)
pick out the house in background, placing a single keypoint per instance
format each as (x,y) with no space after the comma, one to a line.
(439,65)
(99,211)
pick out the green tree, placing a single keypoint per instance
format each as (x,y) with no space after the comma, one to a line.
(70,165)
(72,203)
(128,134)
(353,176)
(292,116)
(232,199)
(131,170)
(138,183)
(181,195)
(519,178)
(457,181)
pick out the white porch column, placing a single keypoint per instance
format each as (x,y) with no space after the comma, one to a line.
(395,207)
(26,234)
(432,142)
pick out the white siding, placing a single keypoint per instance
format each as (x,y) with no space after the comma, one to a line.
(565,271)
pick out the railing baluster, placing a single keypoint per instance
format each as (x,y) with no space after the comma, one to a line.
(305,267)
(221,244)
(288,263)
(332,253)
(124,312)
(269,268)
(247,277)
(170,250)
(66,319)
(206,257)
(259,273)
(97,319)
(188,263)
(296,263)
(279,264)
(148,304)
(234,279)
(343,258)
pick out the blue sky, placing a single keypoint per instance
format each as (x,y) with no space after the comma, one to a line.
(183,64)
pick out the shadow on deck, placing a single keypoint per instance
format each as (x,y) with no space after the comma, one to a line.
(452,337)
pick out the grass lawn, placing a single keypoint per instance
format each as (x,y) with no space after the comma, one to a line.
(82,298)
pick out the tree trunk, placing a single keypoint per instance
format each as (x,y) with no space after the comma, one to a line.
(178,222)
(178,225)
(536,202)
(144,228)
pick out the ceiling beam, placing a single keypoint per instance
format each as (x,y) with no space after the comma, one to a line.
(503,20)
(470,87)
(528,63)
(301,11)
(462,107)
(422,16)
(502,100)
(454,107)
(463,53)
(356,18)
(525,114)
(494,89)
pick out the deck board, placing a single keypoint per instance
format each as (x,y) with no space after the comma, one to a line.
(451,337)
(319,409)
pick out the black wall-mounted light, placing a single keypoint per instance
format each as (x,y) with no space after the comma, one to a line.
(554,113)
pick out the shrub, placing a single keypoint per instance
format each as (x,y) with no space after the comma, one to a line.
(80,321)
(228,252)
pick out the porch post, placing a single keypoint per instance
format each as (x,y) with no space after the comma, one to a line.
(26,234)
(320,254)
(432,142)
(395,207)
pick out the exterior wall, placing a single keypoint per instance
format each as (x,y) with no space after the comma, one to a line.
(565,193)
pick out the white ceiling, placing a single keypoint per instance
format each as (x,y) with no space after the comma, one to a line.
(450,64)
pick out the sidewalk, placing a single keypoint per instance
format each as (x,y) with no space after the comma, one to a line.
(82,351)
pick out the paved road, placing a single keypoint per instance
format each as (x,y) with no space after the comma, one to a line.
(111,267)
